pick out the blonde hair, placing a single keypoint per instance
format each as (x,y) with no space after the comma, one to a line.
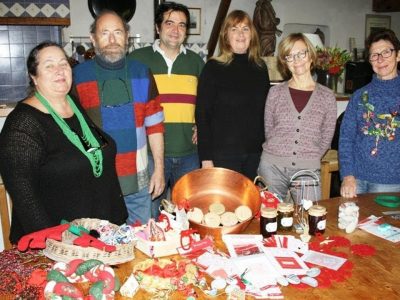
(286,45)
(225,50)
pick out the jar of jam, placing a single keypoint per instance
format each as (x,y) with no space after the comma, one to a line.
(285,216)
(268,221)
(317,219)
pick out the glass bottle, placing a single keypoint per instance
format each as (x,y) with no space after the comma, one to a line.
(285,216)
(268,221)
(317,219)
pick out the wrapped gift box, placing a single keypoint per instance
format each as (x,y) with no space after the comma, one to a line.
(159,248)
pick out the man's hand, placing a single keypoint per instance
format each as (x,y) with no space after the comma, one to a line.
(157,180)
(157,183)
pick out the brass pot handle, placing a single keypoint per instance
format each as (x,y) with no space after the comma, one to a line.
(262,180)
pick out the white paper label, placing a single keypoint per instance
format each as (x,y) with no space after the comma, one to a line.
(321,225)
(287,222)
(271,227)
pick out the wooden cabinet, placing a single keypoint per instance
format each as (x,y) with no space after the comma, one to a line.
(386,5)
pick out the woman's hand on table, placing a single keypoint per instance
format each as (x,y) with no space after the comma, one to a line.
(349,187)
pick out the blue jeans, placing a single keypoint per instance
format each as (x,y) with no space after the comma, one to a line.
(139,206)
(364,186)
(174,168)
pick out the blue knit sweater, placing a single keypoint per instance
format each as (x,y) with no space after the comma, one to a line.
(359,154)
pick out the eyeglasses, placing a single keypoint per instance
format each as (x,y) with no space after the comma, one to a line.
(384,54)
(119,88)
(299,55)
(103,141)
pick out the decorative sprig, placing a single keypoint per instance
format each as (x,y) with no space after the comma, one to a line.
(374,127)
(332,59)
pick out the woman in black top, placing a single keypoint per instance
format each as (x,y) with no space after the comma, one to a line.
(230,100)
(54,162)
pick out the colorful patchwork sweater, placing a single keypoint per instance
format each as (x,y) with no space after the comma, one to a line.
(178,90)
(369,144)
(122,99)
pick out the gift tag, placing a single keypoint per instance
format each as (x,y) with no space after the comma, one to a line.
(309,281)
(130,287)
(293,279)
(307,204)
(282,281)
(218,284)
(313,272)
(182,218)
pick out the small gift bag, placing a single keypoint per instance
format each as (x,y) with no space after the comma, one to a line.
(155,241)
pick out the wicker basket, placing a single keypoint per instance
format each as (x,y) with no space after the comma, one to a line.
(65,251)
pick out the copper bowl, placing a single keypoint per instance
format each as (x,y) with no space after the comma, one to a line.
(203,187)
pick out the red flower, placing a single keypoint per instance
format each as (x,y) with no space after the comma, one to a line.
(332,60)
(334,70)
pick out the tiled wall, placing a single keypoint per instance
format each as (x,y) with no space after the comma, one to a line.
(199,48)
(15,44)
(17,41)
(37,8)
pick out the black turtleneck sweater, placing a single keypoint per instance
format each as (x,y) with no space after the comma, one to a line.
(230,108)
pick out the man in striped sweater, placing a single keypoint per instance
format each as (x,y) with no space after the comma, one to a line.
(120,96)
(176,71)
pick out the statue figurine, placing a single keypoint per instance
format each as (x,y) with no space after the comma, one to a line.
(266,25)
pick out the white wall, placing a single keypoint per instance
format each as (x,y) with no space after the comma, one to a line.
(345,18)
(143,21)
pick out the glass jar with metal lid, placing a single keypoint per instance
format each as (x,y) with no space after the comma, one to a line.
(317,219)
(285,216)
(268,221)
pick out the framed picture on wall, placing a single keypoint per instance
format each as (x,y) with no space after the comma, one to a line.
(195,21)
(376,22)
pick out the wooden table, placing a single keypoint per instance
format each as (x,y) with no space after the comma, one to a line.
(376,277)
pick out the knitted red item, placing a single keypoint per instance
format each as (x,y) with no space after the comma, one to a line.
(72,266)
(363,250)
(37,239)
(327,276)
(324,280)
(322,244)
(339,241)
(269,199)
(174,269)
(86,240)
(136,224)
(38,278)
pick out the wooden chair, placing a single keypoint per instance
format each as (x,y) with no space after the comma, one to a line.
(329,164)
(5,216)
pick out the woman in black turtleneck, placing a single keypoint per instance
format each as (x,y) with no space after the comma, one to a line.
(230,100)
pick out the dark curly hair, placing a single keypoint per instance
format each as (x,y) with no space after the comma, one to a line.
(383,34)
(170,6)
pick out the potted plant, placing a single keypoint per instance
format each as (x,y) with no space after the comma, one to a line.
(330,64)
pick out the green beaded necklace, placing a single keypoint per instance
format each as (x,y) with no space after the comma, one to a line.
(94,154)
